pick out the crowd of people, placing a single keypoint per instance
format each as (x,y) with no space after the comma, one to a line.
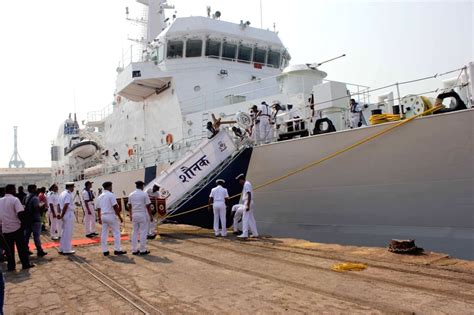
(25,215)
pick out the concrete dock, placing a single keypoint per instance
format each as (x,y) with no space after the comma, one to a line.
(189,271)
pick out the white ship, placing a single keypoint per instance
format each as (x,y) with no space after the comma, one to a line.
(334,185)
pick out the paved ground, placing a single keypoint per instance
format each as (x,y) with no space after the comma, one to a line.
(189,271)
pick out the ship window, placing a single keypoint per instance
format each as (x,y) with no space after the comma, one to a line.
(259,55)
(273,59)
(194,48)
(161,53)
(245,54)
(228,51)
(213,48)
(175,49)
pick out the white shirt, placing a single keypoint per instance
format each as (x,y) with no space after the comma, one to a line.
(53,198)
(107,202)
(247,189)
(152,194)
(66,198)
(86,198)
(139,200)
(219,194)
(10,206)
(265,111)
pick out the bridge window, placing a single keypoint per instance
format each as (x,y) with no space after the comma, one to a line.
(194,48)
(245,54)
(161,53)
(229,51)
(259,55)
(273,59)
(213,48)
(175,49)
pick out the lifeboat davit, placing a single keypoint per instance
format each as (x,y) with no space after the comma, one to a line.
(83,149)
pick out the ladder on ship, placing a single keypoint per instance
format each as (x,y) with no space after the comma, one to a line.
(212,176)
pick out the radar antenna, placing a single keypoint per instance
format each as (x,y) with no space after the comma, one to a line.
(16,160)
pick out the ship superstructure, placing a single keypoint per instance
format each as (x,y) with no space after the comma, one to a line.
(192,71)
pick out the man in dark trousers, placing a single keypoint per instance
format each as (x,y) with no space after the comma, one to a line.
(33,222)
(21,195)
(10,211)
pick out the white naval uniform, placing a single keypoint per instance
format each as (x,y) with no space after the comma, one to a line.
(255,136)
(248,220)
(65,245)
(355,115)
(56,224)
(239,211)
(106,203)
(89,219)
(266,132)
(152,224)
(140,218)
(219,195)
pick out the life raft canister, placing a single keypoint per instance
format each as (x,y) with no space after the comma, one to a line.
(169,138)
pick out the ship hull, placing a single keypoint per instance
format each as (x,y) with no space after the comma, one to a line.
(414,182)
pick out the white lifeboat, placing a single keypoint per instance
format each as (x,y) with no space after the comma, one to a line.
(83,149)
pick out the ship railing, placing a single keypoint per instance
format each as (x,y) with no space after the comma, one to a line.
(99,115)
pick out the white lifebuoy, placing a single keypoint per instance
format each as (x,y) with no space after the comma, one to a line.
(244,120)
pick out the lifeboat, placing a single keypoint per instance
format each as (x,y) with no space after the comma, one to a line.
(83,149)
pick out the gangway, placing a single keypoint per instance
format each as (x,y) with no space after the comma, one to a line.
(188,175)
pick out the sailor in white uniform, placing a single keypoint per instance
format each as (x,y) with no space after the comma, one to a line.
(140,213)
(153,193)
(266,132)
(218,198)
(89,210)
(238,211)
(355,110)
(108,213)
(248,220)
(66,204)
(255,128)
(54,212)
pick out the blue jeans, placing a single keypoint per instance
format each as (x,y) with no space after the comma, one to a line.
(34,228)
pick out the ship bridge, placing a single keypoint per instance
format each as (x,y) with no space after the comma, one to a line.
(202,40)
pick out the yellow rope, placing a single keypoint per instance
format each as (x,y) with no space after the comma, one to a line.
(348,267)
(312,164)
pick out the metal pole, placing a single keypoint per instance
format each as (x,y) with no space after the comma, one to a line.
(398,97)
(261,15)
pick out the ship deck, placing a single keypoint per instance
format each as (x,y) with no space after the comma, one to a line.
(190,271)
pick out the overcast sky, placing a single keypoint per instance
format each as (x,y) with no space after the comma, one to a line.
(60,56)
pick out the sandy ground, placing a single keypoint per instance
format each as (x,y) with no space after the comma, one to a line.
(190,271)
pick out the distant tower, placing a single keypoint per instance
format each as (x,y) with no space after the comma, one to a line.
(16,160)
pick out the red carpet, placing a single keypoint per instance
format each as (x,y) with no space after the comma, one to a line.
(79,242)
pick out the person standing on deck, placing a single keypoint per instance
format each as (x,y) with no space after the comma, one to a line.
(66,204)
(218,198)
(140,213)
(248,220)
(108,213)
(263,115)
(89,210)
(356,112)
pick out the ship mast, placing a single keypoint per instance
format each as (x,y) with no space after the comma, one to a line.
(156,17)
